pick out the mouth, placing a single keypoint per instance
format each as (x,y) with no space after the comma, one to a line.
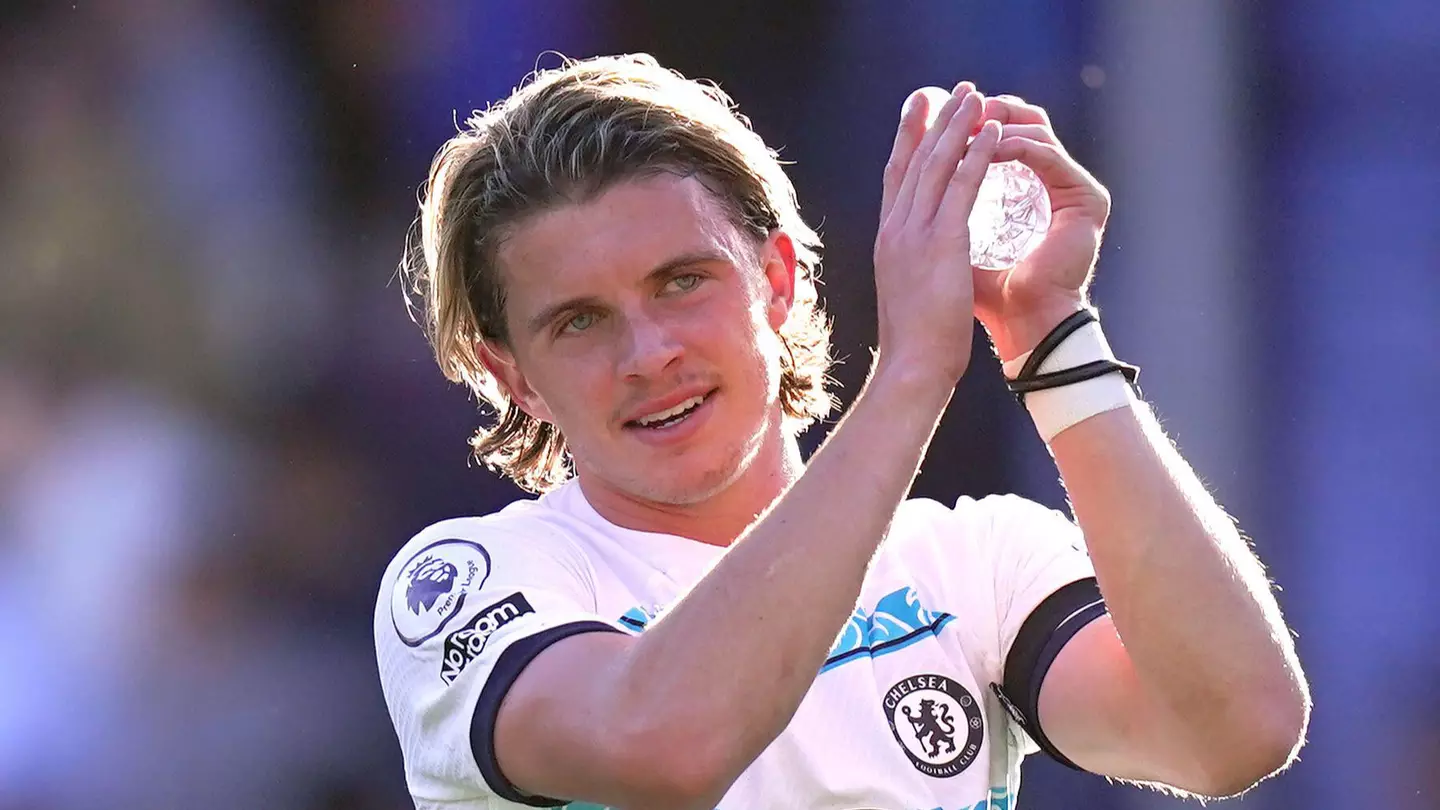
(671,418)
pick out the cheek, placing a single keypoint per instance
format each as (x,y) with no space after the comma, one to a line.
(761,350)
(742,335)
(767,341)
(575,390)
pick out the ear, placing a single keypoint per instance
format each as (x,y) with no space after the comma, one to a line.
(778,258)
(501,363)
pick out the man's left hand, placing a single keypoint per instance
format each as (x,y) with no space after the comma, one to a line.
(1019,306)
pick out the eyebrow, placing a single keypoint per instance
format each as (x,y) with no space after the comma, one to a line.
(540,320)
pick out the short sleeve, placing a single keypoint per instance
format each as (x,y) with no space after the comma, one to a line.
(1045,592)
(461,611)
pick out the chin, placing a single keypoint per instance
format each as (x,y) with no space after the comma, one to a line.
(692,478)
(686,477)
(689,487)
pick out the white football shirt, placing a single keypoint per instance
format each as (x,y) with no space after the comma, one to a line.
(961,612)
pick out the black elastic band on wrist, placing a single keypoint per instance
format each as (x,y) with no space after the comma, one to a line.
(1029,380)
(1052,341)
(1021,386)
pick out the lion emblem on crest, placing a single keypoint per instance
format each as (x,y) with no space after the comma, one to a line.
(933,728)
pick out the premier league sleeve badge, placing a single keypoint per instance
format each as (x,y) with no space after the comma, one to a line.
(432,586)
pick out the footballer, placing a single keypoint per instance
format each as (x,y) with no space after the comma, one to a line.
(690,615)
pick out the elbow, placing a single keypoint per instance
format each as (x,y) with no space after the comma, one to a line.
(1265,744)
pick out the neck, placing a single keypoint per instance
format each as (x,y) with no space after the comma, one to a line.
(721,518)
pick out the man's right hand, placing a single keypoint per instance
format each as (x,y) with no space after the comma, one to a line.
(924,287)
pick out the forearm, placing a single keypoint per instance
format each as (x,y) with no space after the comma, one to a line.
(1190,601)
(733,659)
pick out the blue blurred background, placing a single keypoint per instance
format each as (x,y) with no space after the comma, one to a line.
(217,423)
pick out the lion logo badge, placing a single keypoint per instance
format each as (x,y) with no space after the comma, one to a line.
(432,586)
(430,581)
(937,722)
(933,729)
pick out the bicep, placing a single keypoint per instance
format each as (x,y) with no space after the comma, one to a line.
(554,729)
(1096,711)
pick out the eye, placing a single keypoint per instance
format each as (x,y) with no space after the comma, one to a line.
(685,282)
(579,323)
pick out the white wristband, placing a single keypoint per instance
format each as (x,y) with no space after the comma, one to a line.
(1055,409)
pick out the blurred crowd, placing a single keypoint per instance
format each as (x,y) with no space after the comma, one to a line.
(217,422)
(197,344)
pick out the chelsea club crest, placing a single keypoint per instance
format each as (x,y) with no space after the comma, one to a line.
(432,586)
(938,723)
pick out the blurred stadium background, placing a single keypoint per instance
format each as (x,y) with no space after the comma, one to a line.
(217,423)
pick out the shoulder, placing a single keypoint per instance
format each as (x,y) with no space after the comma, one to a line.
(1010,513)
(974,519)
(428,578)
(990,533)
(524,529)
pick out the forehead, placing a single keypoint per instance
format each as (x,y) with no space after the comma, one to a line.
(618,236)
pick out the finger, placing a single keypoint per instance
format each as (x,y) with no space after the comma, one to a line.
(964,186)
(939,167)
(937,96)
(907,137)
(1033,132)
(1052,164)
(1014,110)
(904,198)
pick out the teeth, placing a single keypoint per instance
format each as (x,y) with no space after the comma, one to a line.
(675,411)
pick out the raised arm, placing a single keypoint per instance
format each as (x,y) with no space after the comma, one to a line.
(1195,684)
(670,719)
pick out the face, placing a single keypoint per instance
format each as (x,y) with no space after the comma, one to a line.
(643,324)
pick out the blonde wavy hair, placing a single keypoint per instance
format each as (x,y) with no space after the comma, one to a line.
(563,137)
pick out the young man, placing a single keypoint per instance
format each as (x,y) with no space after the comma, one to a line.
(614,262)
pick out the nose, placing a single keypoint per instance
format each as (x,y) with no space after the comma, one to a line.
(649,348)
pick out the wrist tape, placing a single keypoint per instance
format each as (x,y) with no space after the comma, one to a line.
(1070,376)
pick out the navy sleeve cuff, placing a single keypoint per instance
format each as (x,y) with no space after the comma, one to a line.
(487,708)
(1045,632)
